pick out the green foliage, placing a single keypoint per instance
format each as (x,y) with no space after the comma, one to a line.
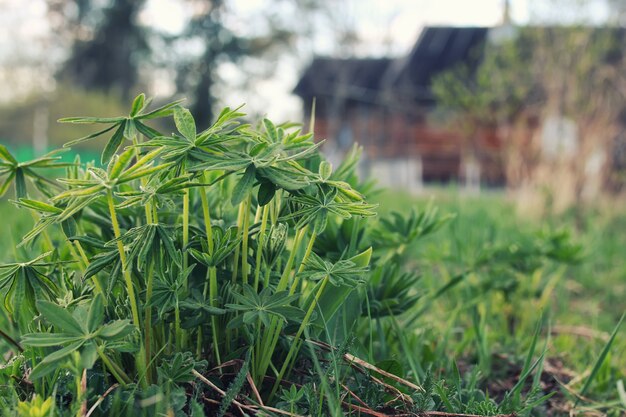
(229,248)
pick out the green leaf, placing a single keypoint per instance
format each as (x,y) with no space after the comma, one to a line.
(146,130)
(163,111)
(88,137)
(7,182)
(42,369)
(38,206)
(6,155)
(62,353)
(266,193)
(325,170)
(130,131)
(48,339)
(113,145)
(116,330)
(243,187)
(271,130)
(90,120)
(138,104)
(95,317)
(185,123)
(120,163)
(88,355)
(59,317)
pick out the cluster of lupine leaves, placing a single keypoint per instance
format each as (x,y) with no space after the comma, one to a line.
(228,271)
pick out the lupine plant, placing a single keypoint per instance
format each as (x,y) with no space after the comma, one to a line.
(201,273)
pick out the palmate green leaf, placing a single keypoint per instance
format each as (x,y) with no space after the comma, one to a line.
(263,305)
(24,283)
(244,186)
(224,243)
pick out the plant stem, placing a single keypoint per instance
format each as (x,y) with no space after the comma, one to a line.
(236,255)
(117,372)
(185,227)
(244,241)
(213,291)
(212,273)
(148,322)
(271,336)
(307,253)
(147,207)
(120,247)
(295,342)
(260,244)
(178,330)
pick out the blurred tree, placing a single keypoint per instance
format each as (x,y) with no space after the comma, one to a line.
(110,46)
(108,57)
(219,43)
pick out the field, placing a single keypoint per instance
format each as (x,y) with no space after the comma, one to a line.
(579,303)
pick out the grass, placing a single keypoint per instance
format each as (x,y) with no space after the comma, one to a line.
(583,301)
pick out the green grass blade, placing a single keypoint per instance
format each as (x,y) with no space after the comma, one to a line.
(600,361)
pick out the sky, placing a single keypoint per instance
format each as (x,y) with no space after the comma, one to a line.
(385,28)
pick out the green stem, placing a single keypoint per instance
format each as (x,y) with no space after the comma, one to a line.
(120,247)
(236,255)
(272,335)
(244,241)
(213,300)
(115,370)
(96,280)
(295,342)
(178,330)
(307,253)
(261,243)
(185,227)
(148,322)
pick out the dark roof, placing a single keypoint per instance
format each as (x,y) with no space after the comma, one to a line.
(436,50)
(353,77)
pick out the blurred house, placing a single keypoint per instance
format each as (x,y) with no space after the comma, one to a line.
(386,105)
